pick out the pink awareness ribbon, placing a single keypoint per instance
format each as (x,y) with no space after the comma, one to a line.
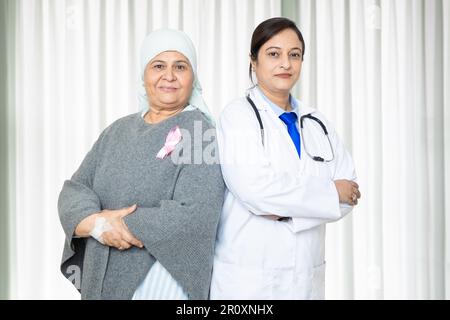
(172,140)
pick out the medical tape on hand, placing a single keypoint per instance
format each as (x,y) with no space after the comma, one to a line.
(101,225)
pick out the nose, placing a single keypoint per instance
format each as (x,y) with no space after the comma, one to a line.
(169,75)
(285,62)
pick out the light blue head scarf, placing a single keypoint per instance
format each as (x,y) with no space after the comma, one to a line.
(172,40)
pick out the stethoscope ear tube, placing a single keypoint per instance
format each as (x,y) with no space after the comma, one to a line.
(315,119)
(258,116)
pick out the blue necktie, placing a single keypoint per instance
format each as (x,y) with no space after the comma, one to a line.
(290,119)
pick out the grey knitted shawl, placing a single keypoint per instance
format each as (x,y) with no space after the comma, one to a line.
(179,202)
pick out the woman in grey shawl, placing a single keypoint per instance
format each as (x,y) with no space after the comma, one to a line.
(140,214)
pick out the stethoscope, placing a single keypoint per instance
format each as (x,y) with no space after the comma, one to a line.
(302,119)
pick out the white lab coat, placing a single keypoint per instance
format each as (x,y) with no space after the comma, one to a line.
(257,258)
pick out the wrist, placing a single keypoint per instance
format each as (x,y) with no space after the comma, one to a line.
(86,225)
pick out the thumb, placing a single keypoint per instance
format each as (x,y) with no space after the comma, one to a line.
(128,210)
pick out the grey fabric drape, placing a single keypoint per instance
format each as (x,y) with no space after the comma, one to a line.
(7,34)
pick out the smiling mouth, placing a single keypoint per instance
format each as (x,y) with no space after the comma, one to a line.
(284,75)
(168,89)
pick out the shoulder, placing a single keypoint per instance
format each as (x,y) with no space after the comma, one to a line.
(305,109)
(237,106)
(193,120)
(238,113)
(118,126)
(127,120)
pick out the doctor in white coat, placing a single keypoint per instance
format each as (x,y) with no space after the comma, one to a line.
(287,174)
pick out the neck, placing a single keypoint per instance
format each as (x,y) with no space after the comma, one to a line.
(155,116)
(281,99)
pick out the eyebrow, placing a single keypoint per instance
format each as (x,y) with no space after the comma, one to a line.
(296,48)
(178,61)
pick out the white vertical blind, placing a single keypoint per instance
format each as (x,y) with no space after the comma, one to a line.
(446,89)
(379,70)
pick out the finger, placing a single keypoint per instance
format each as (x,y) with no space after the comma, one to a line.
(349,201)
(112,239)
(131,237)
(128,237)
(354,184)
(126,211)
(124,245)
(115,243)
(355,194)
(118,242)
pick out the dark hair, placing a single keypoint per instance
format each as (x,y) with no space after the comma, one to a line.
(266,30)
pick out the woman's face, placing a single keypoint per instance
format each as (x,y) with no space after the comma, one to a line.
(168,81)
(279,62)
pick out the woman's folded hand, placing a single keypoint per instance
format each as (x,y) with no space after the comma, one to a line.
(109,228)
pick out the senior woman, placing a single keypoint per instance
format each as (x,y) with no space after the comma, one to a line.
(140,217)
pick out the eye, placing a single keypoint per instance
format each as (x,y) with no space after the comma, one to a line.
(158,66)
(273,54)
(296,55)
(180,67)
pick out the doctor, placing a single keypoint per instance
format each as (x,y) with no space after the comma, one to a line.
(287,174)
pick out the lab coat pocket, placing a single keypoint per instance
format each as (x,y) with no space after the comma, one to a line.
(318,282)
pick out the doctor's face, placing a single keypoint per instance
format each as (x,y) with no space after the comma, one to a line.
(168,81)
(279,62)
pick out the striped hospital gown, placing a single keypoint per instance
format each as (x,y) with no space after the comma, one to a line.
(159,285)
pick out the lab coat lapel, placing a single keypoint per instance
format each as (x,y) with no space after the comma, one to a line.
(276,130)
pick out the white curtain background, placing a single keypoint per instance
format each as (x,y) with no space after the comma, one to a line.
(379,70)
